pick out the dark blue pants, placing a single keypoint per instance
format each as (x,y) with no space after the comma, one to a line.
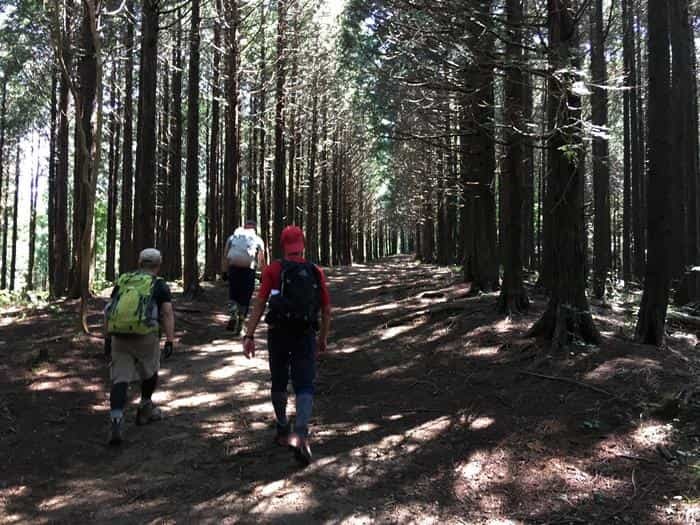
(241,285)
(295,353)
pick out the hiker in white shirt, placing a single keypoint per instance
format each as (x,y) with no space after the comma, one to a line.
(243,254)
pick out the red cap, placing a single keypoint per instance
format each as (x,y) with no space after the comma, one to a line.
(292,240)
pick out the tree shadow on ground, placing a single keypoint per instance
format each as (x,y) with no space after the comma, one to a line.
(422,414)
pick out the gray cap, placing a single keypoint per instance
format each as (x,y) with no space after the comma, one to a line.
(150,256)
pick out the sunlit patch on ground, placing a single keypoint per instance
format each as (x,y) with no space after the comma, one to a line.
(196,400)
(481,423)
(484,351)
(394,331)
(622,366)
(651,433)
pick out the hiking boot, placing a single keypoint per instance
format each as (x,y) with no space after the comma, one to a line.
(116,431)
(241,324)
(282,436)
(302,451)
(148,413)
(233,325)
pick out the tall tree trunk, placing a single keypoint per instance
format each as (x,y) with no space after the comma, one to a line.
(601,168)
(172,262)
(146,146)
(89,107)
(3,196)
(163,164)
(262,141)
(325,192)
(232,147)
(191,268)
(513,297)
(278,208)
(293,134)
(127,255)
(61,240)
(51,197)
(311,211)
(567,316)
(627,152)
(29,280)
(684,154)
(652,312)
(15,206)
(212,257)
(636,165)
(113,179)
(5,229)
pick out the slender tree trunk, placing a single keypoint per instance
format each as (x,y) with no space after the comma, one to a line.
(278,208)
(113,179)
(163,165)
(601,169)
(311,211)
(262,141)
(627,153)
(567,316)
(528,215)
(127,255)
(293,134)
(212,257)
(325,238)
(232,148)
(191,268)
(61,245)
(652,312)
(51,197)
(146,147)
(3,196)
(13,247)
(5,229)
(29,280)
(636,166)
(172,263)
(513,297)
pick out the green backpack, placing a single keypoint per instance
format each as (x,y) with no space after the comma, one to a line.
(133,311)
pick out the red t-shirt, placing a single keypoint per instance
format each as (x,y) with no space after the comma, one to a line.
(272,280)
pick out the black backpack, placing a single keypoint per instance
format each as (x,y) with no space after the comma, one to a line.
(296,307)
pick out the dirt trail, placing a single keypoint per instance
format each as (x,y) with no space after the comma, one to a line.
(422,415)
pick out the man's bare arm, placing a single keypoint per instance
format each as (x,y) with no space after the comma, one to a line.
(325,327)
(255,317)
(168,320)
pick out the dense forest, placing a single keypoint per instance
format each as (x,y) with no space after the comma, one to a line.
(503,196)
(515,139)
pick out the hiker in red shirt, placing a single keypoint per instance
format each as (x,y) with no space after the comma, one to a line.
(297,292)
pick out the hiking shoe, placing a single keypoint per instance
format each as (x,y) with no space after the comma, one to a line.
(234,325)
(116,431)
(282,436)
(148,413)
(302,451)
(241,324)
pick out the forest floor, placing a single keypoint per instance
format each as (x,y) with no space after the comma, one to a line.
(431,408)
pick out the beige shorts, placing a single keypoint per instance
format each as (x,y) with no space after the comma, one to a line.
(134,358)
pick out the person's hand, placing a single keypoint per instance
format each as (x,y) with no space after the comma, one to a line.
(108,346)
(322,345)
(167,349)
(249,347)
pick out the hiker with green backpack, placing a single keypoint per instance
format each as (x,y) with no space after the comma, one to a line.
(140,306)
